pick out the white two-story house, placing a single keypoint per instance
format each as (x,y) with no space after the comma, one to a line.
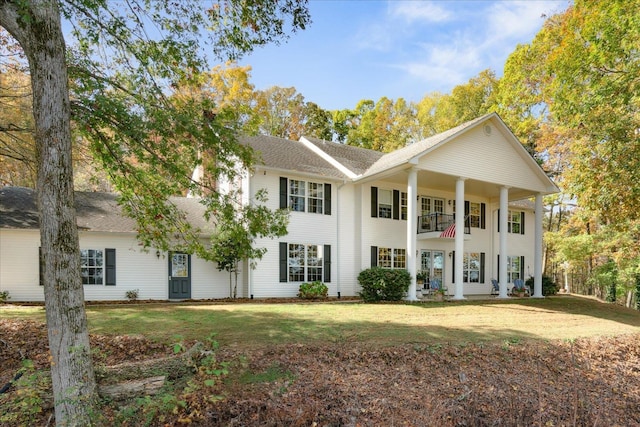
(463,206)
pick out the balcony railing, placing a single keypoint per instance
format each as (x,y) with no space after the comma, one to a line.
(438,222)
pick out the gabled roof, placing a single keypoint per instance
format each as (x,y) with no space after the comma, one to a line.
(287,155)
(405,154)
(94,211)
(356,159)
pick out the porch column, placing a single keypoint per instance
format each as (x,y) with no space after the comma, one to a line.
(412,229)
(504,251)
(537,260)
(459,240)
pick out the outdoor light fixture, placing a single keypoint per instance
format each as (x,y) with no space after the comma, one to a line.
(158,254)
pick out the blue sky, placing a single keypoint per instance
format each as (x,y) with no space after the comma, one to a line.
(362,49)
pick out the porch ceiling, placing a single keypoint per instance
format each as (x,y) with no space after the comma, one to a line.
(443,182)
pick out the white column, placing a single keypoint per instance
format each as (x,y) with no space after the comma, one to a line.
(412,227)
(537,260)
(504,251)
(459,241)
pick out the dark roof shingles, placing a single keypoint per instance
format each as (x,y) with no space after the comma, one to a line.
(94,211)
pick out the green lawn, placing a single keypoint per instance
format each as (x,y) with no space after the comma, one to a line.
(258,324)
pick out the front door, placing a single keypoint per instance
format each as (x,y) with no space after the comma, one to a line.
(432,263)
(179,275)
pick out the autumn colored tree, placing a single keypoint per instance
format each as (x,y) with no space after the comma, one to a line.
(17,149)
(573,91)
(125,110)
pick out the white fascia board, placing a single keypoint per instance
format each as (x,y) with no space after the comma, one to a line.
(289,172)
(328,158)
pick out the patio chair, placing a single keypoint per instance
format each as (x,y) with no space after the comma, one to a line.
(495,287)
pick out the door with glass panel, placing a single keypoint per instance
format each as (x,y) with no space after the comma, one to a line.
(179,275)
(432,264)
(431,211)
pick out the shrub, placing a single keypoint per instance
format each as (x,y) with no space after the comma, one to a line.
(549,287)
(312,290)
(133,294)
(383,284)
(4,297)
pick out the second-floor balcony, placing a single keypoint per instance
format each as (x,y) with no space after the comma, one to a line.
(436,222)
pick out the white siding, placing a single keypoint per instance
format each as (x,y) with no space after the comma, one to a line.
(471,153)
(19,266)
(19,269)
(304,228)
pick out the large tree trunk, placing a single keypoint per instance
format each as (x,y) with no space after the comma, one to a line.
(36,26)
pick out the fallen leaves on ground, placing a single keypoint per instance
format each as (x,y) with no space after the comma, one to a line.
(581,382)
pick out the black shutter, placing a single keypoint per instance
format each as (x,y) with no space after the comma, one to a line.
(453,265)
(284,184)
(522,267)
(498,221)
(110,267)
(327,263)
(374,202)
(41,266)
(498,275)
(374,256)
(521,222)
(466,208)
(283,262)
(483,213)
(396,204)
(327,199)
(482,257)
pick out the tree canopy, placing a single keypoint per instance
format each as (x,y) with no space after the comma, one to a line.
(117,78)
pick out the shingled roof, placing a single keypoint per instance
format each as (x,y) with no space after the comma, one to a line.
(356,159)
(94,211)
(287,155)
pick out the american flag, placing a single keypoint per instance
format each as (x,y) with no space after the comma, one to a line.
(450,231)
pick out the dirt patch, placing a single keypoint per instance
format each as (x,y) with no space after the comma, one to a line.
(584,382)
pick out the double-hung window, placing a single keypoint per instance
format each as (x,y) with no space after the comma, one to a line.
(91,266)
(305,196)
(515,268)
(474,214)
(471,266)
(391,204)
(388,257)
(316,197)
(297,196)
(515,222)
(97,266)
(385,203)
(305,262)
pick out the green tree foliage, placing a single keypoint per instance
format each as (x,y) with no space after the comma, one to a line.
(571,95)
(234,239)
(282,112)
(124,62)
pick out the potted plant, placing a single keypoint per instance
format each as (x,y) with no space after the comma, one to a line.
(421,277)
(518,288)
(438,294)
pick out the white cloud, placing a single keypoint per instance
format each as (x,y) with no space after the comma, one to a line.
(419,11)
(484,37)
